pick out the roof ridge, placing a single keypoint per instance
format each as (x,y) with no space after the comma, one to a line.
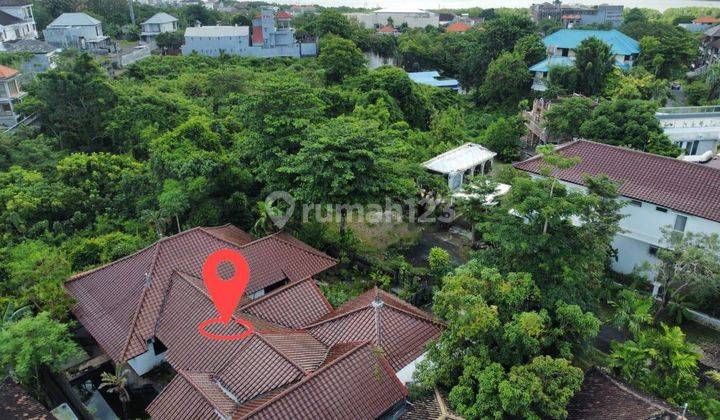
(308,249)
(274,293)
(414,315)
(111,263)
(204,230)
(146,287)
(207,398)
(338,316)
(360,345)
(282,354)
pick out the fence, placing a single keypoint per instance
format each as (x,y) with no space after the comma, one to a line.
(136,55)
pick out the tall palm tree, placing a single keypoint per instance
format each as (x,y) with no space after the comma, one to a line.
(116,384)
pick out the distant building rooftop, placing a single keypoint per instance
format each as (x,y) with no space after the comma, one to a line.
(620,43)
(74,19)
(206,31)
(159,18)
(432,78)
(457,27)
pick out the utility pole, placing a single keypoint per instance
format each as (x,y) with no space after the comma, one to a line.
(132,12)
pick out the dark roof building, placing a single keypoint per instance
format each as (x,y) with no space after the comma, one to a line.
(303,360)
(686,187)
(15,403)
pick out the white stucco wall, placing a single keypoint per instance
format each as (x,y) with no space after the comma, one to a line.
(412,19)
(144,363)
(406,373)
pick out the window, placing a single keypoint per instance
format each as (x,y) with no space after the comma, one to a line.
(653,250)
(680,222)
(158,346)
(636,203)
(627,58)
(661,209)
(565,52)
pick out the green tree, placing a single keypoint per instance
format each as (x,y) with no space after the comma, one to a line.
(72,103)
(174,200)
(689,264)
(531,49)
(117,384)
(633,313)
(503,136)
(340,58)
(348,161)
(638,83)
(563,119)
(563,80)
(439,262)
(507,81)
(331,21)
(666,50)
(629,123)
(594,61)
(34,343)
(169,40)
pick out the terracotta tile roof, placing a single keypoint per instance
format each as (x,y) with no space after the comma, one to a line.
(387,29)
(433,406)
(283,15)
(191,396)
(15,403)
(604,397)
(360,384)
(281,306)
(7,72)
(385,320)
(706,20)
(256,368)
(257,35)
(458,27)
(230,233)
(299,346)
(120,303)
(682,186)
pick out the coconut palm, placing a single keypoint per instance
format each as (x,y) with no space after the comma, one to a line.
(116,384)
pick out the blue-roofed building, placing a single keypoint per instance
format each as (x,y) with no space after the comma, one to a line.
(562,45)
(433,78)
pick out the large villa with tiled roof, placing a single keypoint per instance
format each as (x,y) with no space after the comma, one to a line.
(304,359)
(660,192)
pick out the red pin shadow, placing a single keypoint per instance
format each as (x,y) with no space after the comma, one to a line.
(225,293)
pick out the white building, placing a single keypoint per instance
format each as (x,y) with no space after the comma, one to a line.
(660,192)
(271,36)
(157,24)
(17,20)
(696,129)
(461,163)
(413,18)
(76,30)
(10,95)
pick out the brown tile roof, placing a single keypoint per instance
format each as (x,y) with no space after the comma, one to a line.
(604,397)
(400,329)
(387,29)
(283,15)
(360,384)
(120,303)
(192,396)
(706,19)
(433,406)
(682,186)
(15,403)
(280,306)
(457,27)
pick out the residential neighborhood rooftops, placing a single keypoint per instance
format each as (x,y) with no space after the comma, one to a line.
(159,18)
(459,159)
(207,31)
(16,404)
(432,78)
(283,15)
(74,19)
(682,186)
(620,43)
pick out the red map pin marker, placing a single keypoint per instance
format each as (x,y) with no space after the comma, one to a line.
(226,293)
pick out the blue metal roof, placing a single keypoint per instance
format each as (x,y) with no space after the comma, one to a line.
(557,60)
(432,78)
(620,43)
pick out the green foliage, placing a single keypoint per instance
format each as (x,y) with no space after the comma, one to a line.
(632,312)
(507,81)
(564,118)
(73,103)
(85,253)
(697,92)
(340,58)
(439,262)
(638,83)
(563,80)
(594,61)
(500,354)
(629,123)
(169,40)
(531,49)
(34,342)
(666,50)
(503,136)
